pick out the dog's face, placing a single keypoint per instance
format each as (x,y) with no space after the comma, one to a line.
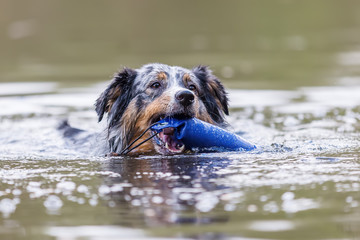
(135,99)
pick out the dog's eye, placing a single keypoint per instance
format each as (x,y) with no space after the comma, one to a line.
(155,85)
(192,87)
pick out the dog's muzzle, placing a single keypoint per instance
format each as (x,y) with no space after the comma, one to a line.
(185,97)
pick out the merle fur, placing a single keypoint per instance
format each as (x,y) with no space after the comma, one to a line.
(123,80)
(205,76)
(132,85)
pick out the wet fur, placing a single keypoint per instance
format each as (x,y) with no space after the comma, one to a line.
(131,103)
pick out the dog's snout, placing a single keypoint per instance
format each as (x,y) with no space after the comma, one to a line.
(185,97)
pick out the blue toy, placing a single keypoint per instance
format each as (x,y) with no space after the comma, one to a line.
(202,136)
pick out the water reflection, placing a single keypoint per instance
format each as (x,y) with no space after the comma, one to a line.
(167,190)
(231,194)
(306,186)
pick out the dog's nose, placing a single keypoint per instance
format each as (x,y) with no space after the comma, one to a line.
(185,97)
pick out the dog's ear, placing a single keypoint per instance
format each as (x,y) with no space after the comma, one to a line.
(119,87)
(218,96)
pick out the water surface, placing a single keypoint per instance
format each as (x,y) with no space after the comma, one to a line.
(292,70)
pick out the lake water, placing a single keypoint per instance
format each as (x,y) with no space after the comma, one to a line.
(292,70)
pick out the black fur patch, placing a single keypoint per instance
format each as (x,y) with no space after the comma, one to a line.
(122,82)
(135,87)
(207,79)
(140,102)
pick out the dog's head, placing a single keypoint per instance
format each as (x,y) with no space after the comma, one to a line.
(135,99)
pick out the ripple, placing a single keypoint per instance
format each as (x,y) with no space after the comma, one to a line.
(25,88)
(8,206)
(272,225)
(53,204)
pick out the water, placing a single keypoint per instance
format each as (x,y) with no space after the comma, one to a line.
(292,73)
(304,179)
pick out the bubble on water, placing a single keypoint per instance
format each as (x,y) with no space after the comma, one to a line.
(206,201)
(53,203)
(34,184)
(145,201)
(111,204)
(157,199)
(288,196)
(263,198)
(354,204)
(34,188)
(271,207)
(149,212)
(272,226)
(252,208)
(136,202)
(16,201)
(194,189)
(349,199)
(127,198)
(10,182)
(110,174)
(93,202)
(66,187)
(170,202)
(136,192)
(93,232)
(72,198)
(116,188)
(356,186)
(259,117)
(229,207)
(103,190)
(82,189)
(185,196)
(16,192)
(349,58)
(233,196)
(297,205)
(7,207)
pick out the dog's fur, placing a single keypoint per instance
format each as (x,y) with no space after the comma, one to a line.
(137,98)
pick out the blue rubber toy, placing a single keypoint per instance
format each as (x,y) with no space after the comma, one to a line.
(203,136)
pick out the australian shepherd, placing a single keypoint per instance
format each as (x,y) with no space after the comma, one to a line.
(135,99)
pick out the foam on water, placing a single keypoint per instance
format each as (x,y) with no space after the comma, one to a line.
(308,150)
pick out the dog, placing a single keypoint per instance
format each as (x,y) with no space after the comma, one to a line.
(136,99)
